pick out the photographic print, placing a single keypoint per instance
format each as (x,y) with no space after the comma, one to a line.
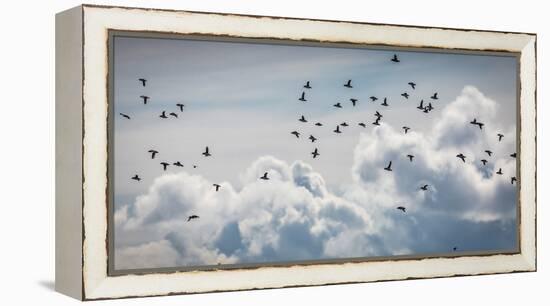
(237,152)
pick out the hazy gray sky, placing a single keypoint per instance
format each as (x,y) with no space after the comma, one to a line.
(241,100)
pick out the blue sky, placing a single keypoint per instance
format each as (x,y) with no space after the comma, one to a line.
(242,101)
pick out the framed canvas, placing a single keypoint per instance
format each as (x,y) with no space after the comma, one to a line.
(201,152)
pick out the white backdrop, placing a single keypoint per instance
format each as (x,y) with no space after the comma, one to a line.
(27,157)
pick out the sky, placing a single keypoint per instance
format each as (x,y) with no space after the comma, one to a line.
(241,100)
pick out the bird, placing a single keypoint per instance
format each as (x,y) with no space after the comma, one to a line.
(484,161)
(178,164)
(264,177)
(143,81)
(406,128)
(362,124)
(312,138)
(475,122)
(388,168)
(461,156)
(343,124)
(385,103)
(145,99)
(413,85)
(395,59)
(302,119)
(489,152)
(206,152)
(348,84)
(426,110)
(194,166)
(303,97)
(337,131)
(153,153)
(353,101)
(136,178)
(499,172)
(337,105)
(173,114)
(513,155)
(125,116)
(373,98)
(164,165)
(425,187)
(454,249)
(513,179)
(217,186)
(378,115)
(180,106)
(421,105)
(315,153)
(406,95)
(434,96)
(307,85)
(192,217)
(318,124)
(377,121)
(401,208)
(410,157)
(430,107)
(295,133)
(163,115)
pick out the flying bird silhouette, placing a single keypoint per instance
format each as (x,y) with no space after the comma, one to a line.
(353,101)
(499,172)
(295,133)
(410,157)
(163,115)
(489,152)
(388,168)
(406,129)
(434,96)
(362,124)
(303,97)
(178,164)
(217,186)
(378,115)
(454,249)
(164,165)
(337,130)
(348,84)
(264,177)
(136,178)
(337,105)
(315,153)
(312,138)
(377,121)
(153,153)
(173,115)
(206,152)
(430,107)
(302,119)
(500,136)
(425,187)
(307,85)
(513,155)
(192,217)
(385,103)
(373,98)
(143,81)
(401,208)
(413,85)
(145,99)
(180,106)
(421,105)
(406,95)
(125,116)
(343,124)
(513,179)
(395,59)
(318,124)
(475,122)
(461,156)
(484,161)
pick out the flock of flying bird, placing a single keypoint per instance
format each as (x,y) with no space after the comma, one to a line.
(424,107)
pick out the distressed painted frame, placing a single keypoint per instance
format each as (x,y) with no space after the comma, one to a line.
(82,36)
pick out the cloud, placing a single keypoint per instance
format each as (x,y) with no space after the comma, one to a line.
(296,216)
